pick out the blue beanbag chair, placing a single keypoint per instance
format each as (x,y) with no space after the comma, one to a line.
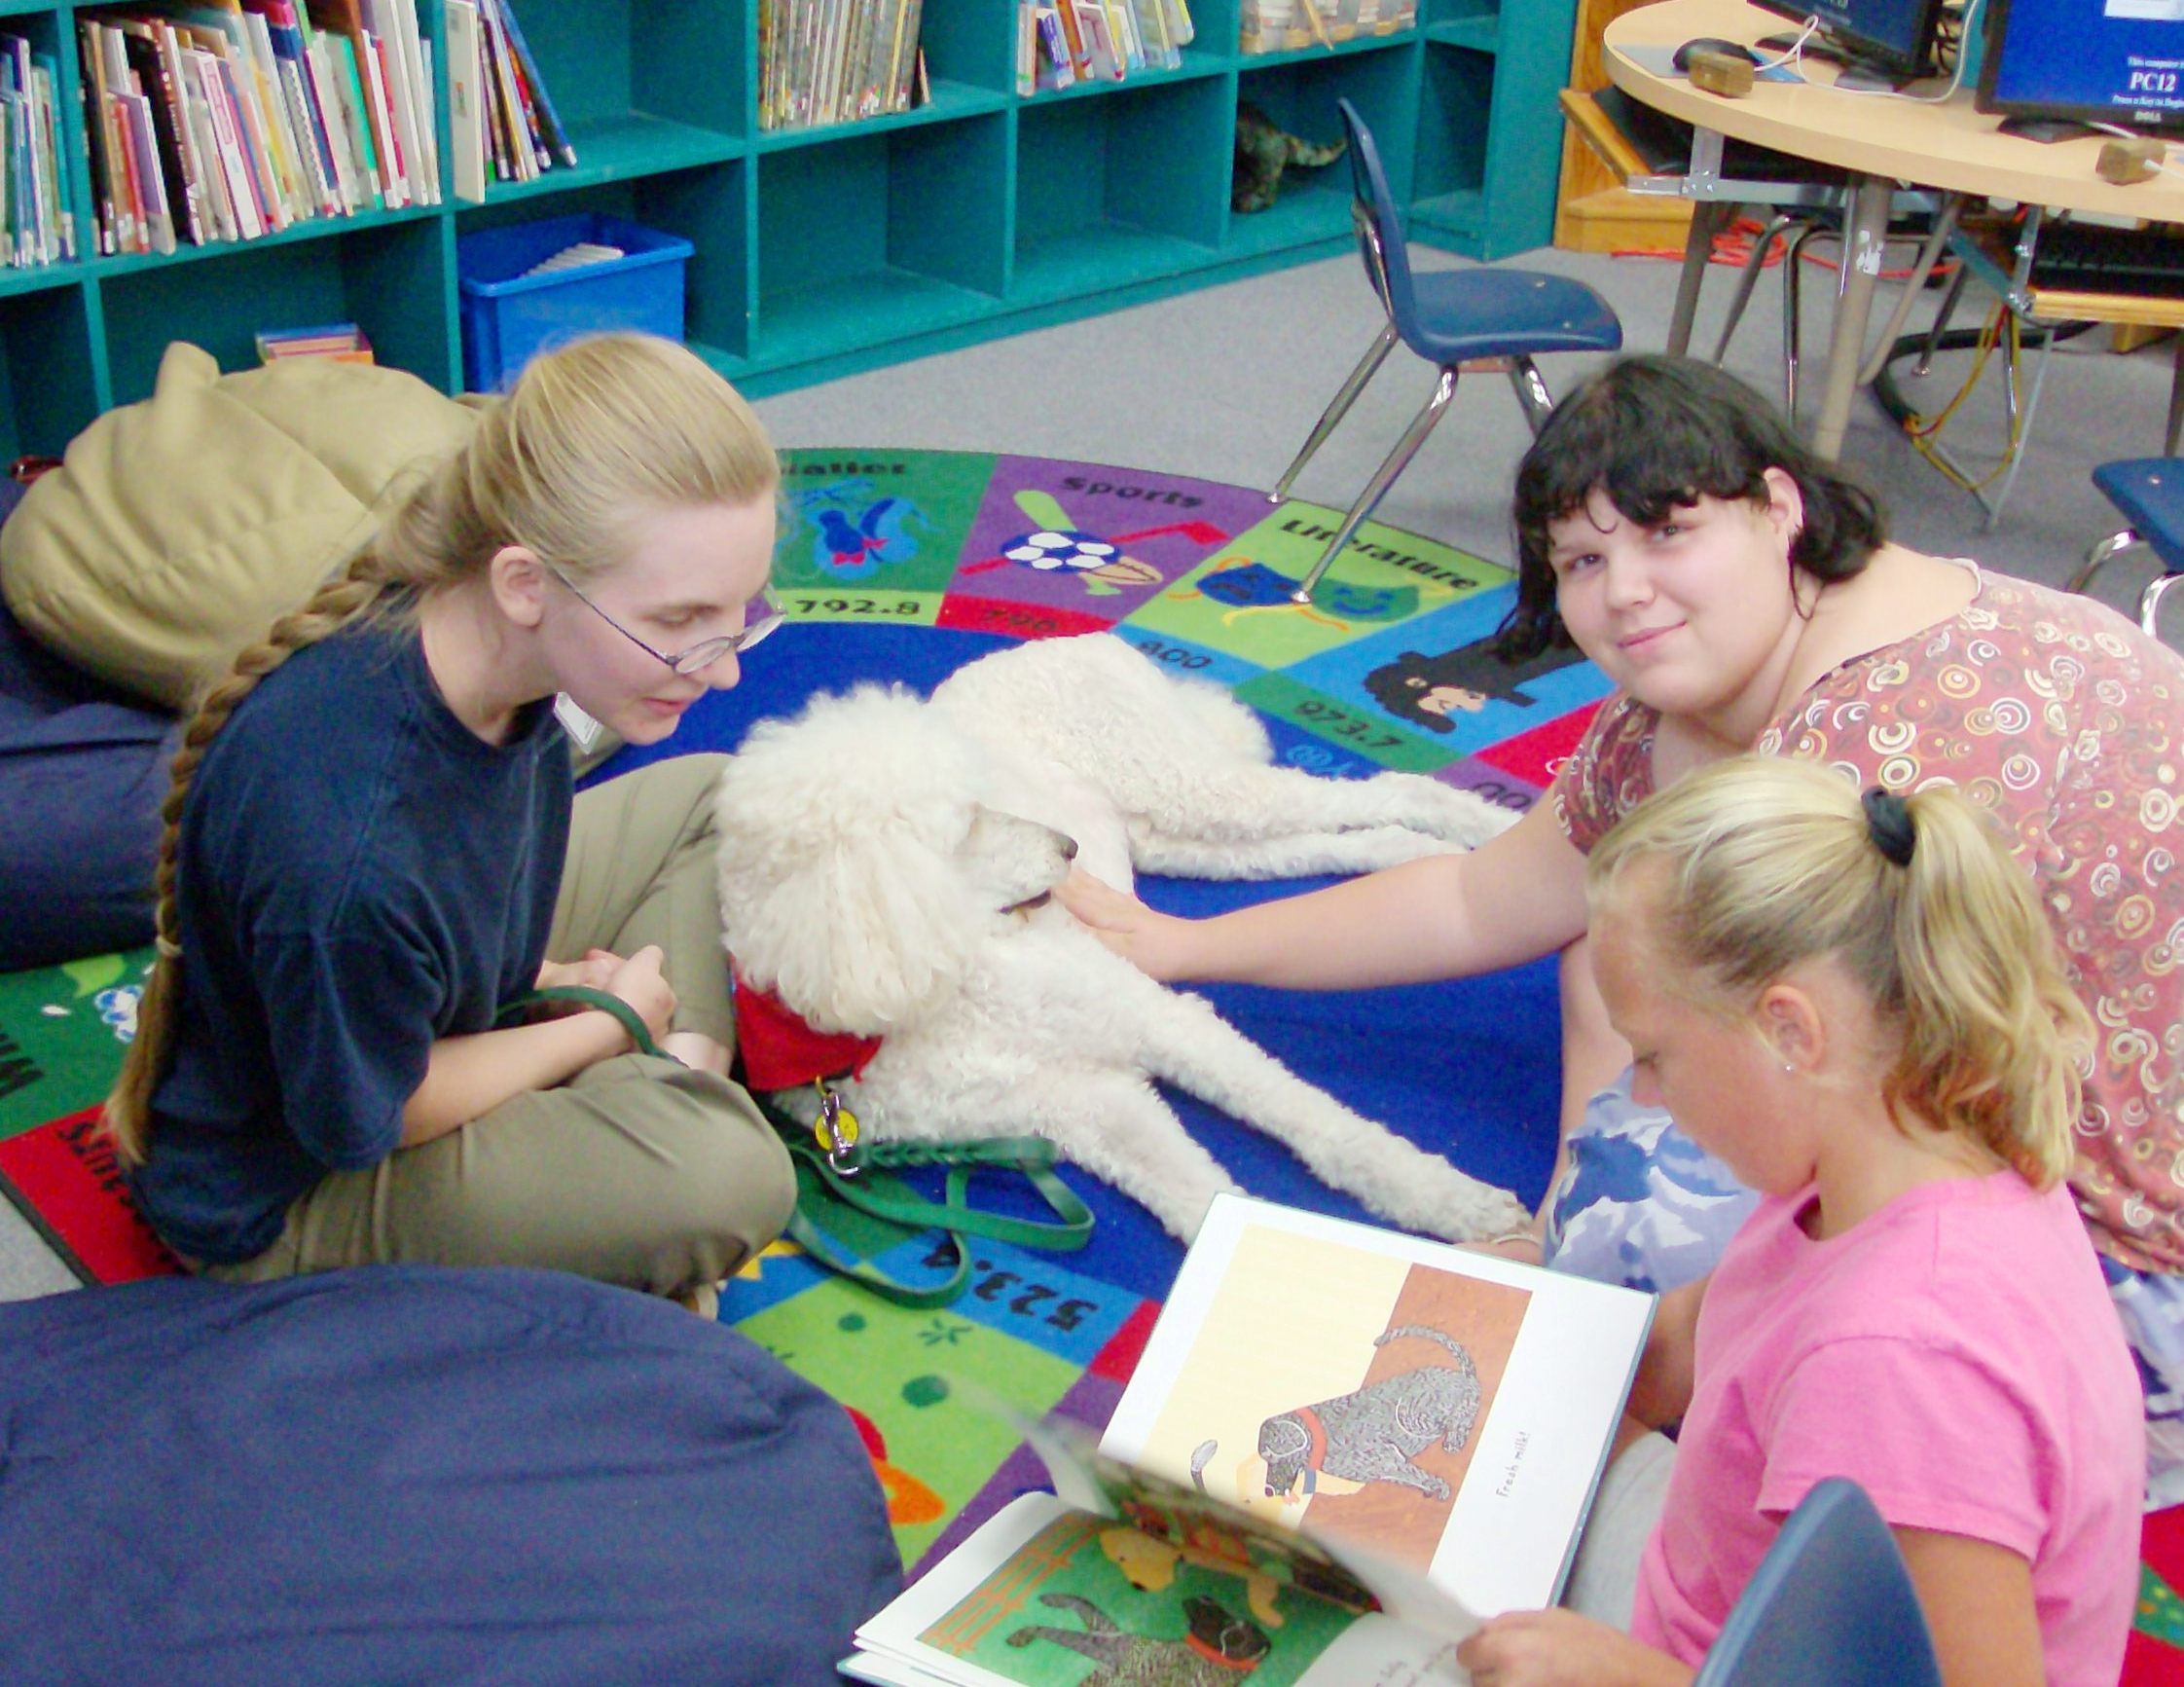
(83,772)
(414,1474)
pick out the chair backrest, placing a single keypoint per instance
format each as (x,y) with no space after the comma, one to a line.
(1379,225)
(1830,1605)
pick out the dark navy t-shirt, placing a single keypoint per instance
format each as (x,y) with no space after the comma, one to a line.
(362,875)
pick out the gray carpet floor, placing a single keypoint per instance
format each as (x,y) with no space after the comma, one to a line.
(1226,383)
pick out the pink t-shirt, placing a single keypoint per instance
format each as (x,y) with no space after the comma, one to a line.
(1956,1355)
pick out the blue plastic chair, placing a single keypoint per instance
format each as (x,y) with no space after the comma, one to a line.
(2150,491)
(1830,1605)
(1448,317)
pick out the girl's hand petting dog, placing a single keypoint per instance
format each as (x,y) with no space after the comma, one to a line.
(1156,944)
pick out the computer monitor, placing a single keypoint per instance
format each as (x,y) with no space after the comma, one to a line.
(2109,62)
(1894,38)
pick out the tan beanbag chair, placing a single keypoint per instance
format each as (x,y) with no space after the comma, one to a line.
(178,528)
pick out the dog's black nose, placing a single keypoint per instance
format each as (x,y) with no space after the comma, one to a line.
(1069,849)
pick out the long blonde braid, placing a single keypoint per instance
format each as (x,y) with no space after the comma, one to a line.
(594,436)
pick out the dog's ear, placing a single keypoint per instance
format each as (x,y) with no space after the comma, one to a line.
(837,891)
(882,929)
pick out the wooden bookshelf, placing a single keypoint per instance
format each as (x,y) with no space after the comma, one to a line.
(821,252)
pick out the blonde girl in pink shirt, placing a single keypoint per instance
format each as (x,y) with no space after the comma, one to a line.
(1857,1003)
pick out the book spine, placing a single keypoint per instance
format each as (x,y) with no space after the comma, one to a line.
(136,111)
(314,136)
(549,120)
(356,106)
(177,146)
(46,80)
(326,119)
(396,73)
(255,145)
(219,204)
(906,66)
(392,165)
(106,212)
(513,135)
(242,191)
(115,80)
(466,135)
(260,73)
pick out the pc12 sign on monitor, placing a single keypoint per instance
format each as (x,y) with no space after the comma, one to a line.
(2107,62)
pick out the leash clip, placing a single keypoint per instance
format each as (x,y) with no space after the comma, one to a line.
(837,1131)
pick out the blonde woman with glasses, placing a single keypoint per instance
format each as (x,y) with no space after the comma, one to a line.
(372,855)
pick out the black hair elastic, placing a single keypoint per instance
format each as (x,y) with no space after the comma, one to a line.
(1888,823)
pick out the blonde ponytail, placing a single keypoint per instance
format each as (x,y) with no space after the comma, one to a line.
(594,437)
(1762,862)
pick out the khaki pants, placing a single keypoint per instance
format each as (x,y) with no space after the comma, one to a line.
(637,1171)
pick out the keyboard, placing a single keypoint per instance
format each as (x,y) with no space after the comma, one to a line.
(2092,257)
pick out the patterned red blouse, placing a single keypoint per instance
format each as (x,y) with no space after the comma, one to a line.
(2065,719)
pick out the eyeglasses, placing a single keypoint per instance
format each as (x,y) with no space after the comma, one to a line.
(698,657)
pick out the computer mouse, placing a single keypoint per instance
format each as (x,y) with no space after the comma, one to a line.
(1682,59)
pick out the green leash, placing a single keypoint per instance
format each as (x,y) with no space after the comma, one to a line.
(835,1172)
(857,1179)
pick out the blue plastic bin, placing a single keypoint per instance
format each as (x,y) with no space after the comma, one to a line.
(508,316)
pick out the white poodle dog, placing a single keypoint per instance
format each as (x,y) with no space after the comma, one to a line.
(885,864)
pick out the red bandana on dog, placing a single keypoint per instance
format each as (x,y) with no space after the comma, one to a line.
(780,1052)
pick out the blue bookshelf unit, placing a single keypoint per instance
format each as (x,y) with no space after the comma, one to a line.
(821,252)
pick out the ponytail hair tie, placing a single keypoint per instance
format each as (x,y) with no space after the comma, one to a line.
(1888,823)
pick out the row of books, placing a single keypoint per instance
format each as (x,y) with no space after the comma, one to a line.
(35,224)
(1282,25)
(824,62)
(499,115)
(227,120)
(1060,43)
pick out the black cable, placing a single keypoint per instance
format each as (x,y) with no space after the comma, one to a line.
(1899,409)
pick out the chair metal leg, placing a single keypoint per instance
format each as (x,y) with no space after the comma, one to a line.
(1368,365)
(1708,218)
(2114,545)
(1925,364)
(1399,459)
(2150,603)
(1749,279)
(1793,312)
(1531,393)
(2020,427)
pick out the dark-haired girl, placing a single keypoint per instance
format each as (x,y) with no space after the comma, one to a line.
(1743,596)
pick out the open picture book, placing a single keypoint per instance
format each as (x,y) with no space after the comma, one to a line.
(1342,1448)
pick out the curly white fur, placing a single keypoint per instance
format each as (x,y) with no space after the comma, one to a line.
(872,851)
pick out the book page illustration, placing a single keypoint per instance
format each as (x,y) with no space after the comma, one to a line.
(1350,1407)
(1094,1602)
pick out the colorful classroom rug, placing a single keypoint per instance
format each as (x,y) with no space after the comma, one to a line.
(903,566)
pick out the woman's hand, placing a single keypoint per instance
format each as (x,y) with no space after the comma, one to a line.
(640,982)
(1557,1648)
(1157,944)
(592,973)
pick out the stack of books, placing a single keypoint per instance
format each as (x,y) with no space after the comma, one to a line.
(1060,43)
(500,118)
(1280,25)
(36,226)
(237,119)
(340,342)
(824,62)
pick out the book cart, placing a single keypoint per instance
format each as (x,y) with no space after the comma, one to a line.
(824,252)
